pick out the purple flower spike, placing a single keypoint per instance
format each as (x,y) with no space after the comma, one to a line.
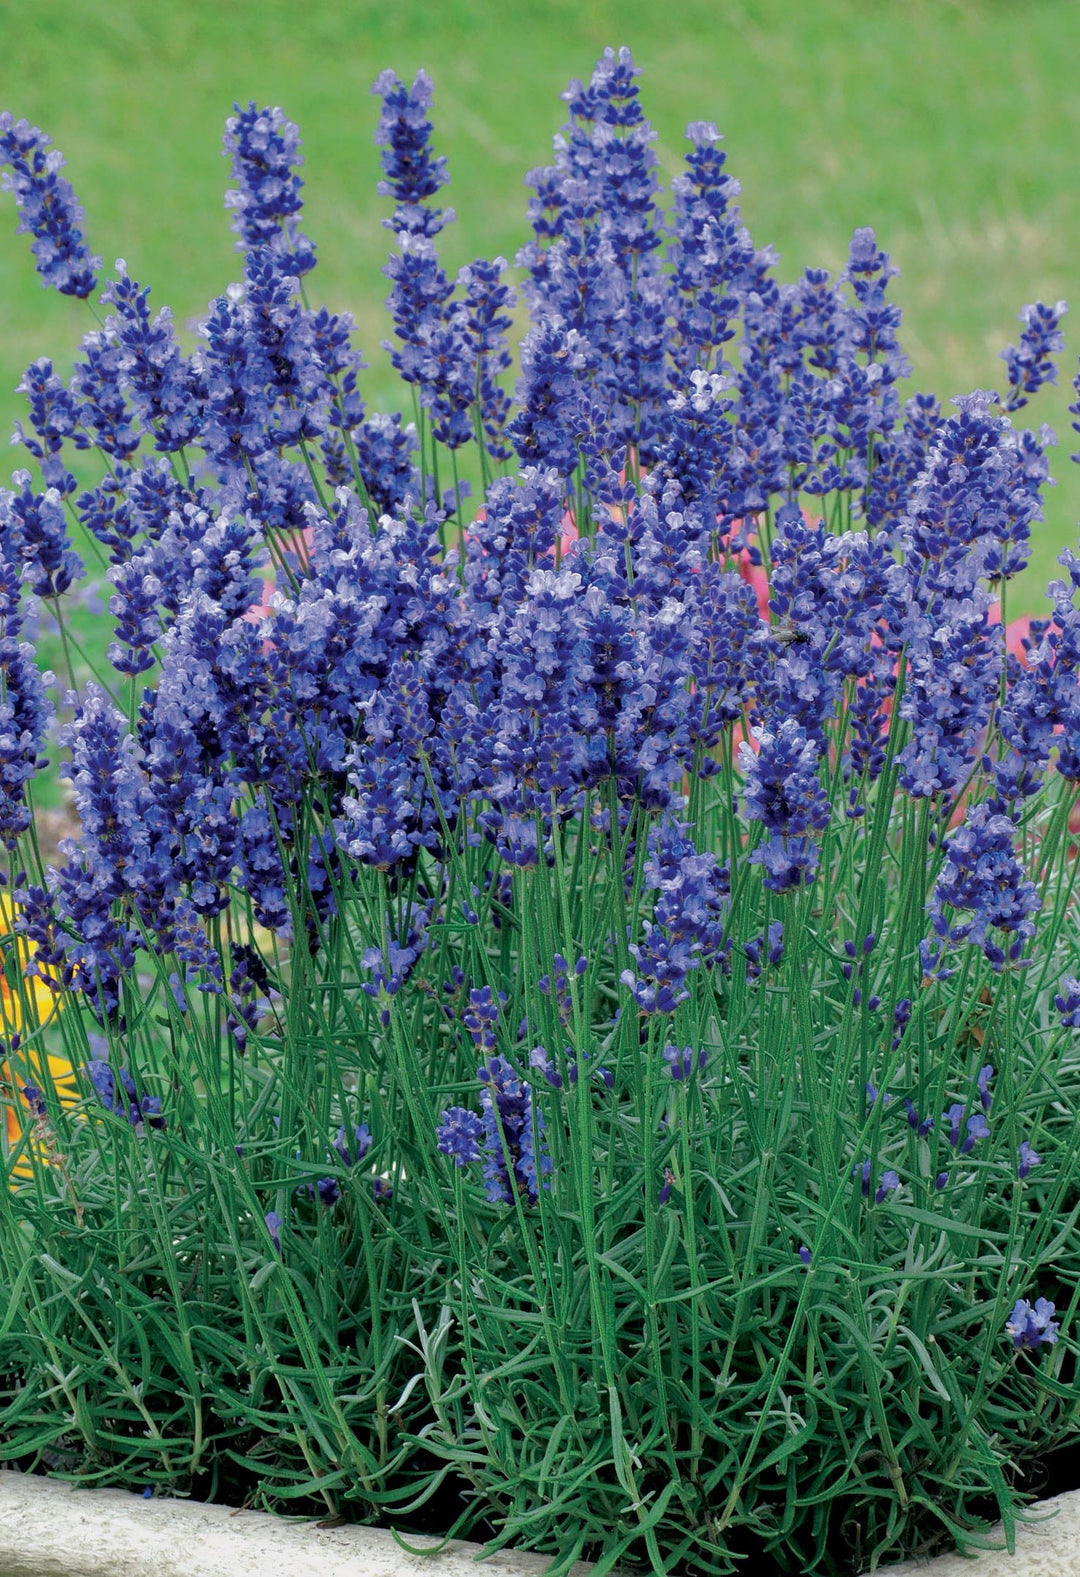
(459,1135)
(123,1101)
(784,793)
(512,1127)
(273,1226)
(1029,1327)
(941,1181)
(983,876)
(686,929)
(412,174)
(805,1254)
(890,1182)
(48,209)
(266,200)
(1030,364)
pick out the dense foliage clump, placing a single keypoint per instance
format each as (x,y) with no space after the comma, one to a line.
(559,1017)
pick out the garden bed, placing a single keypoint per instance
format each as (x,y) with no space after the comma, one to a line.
(561,1017)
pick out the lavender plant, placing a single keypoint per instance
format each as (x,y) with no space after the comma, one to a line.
(573,995)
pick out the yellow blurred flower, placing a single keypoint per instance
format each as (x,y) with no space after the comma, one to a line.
(26,1004)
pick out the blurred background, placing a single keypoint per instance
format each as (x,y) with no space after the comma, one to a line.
(951,126)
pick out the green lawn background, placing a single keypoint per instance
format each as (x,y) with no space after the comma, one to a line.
(952,128)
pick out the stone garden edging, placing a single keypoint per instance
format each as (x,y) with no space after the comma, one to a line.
(49,1529)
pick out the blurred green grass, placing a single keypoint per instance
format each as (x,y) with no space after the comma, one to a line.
(952,128)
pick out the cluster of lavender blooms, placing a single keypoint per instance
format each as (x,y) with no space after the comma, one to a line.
(119,1094)
(587,649)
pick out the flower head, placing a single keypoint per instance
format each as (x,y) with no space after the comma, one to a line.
(977,1128)
(1067,1002)
(1030,363)
(1030,1326)
(681,1060)
(47,206)
(118,1094)
(412,173)
(460,1134)
(263,146)
(1028,1159)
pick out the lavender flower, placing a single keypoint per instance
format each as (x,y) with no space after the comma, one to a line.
(557,985)
(542,1062)
(543,431)
(921,1125)
(483,321)
(350,1153)
(983,876)
(513,1130)
(353,1152)
(1030,1326)
(890,1182)
(123,1098)
(412,173)
(970,511)
(47,208)
(54,417)
(954,1117)
(977,1128)
(25,712)
(594,265)
(33,532)
(772,942)
(1067,1002)
(1028,1159)
(273,1226)
(872,321)
(986,1073)
(686,930)
(165,390)
(266,200)
(710,251)
(459,1135)
(1030,364)
(103,411)
(901,1020)
(784,793)
(392,964)
(135,605)
(954,676)
(482,1017)
(681,1061)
